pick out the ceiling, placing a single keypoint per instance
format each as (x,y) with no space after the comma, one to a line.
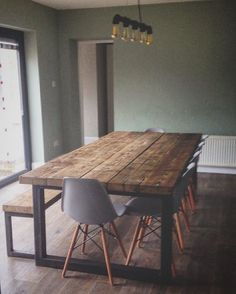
(76,4)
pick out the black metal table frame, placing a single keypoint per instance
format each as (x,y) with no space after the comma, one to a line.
(118,270)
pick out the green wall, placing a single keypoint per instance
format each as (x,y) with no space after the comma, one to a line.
(184,82)
(41,39)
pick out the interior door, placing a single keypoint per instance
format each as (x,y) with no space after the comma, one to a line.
(15,155)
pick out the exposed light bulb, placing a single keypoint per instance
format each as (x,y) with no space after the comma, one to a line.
(149,39)
(142,37)
(116,26)
(142,33)
(115,31)
(135,36)
(125,35)
(135,31)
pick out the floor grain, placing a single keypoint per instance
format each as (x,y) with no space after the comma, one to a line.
(208,264)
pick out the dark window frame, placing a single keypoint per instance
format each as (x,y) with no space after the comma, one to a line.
(18,36)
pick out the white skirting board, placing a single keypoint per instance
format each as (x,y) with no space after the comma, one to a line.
(216,170)
(88,140)
(37,164)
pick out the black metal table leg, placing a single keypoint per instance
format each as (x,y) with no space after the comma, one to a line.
(39,223)
(119,270)
(166,238)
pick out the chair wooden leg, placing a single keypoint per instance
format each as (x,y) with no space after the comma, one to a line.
(146,221)
(184,204)
(134,241)
(185,217)
(113,226)
(188,202)
(191,198)
(195,179)
(106,255)
(179,230)
(177,240)
(72,245)
(173,268)
(84,238)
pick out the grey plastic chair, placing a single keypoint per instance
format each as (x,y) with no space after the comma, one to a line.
(87,202)
(190,196)
(204,137)
(158,130)
(195,159)
(149,209)
(195,156)
(200,145)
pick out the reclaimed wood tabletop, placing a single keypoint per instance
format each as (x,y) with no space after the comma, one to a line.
(147,163)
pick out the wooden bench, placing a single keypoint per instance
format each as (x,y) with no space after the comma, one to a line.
(22,206)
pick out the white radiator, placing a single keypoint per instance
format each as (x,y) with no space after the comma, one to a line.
(219,152)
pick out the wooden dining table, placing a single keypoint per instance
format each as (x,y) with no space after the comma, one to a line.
(140,164)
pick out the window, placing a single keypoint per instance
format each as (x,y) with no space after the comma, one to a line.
(15,153)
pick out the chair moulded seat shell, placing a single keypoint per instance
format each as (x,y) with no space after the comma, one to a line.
(88,203)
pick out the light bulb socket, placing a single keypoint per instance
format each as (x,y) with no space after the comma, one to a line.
(142,27)
(149,30)
(116,19)
(134,24)
(126,22)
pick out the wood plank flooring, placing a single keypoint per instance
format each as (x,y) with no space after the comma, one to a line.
(208,264)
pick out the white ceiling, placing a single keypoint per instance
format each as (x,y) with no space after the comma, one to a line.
(75,4)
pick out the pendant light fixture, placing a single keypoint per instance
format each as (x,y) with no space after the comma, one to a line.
(132,30)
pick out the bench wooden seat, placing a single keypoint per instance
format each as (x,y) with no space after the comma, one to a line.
(22,206)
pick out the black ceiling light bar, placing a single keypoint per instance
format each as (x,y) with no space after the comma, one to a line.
(132,30)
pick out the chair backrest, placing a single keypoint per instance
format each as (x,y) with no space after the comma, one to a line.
(188,173)
(141,206)
(191,165)
(87,201)
(195,156)
(200,145)
(204,137)
(183,184)
(152,206)
(159,130)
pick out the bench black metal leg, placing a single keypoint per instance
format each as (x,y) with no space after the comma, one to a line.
(9,239)
(9,236)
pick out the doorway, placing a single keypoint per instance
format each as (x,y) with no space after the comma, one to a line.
(95,63)
(15,155)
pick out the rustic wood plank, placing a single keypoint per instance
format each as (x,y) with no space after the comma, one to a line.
(23,203)
(126,162)
(81,160)
(157,170)
(111,167)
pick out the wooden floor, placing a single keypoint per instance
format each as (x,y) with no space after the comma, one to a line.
(208,264)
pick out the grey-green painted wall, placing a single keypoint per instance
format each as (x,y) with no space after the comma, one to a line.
(184,82)
(41,27)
